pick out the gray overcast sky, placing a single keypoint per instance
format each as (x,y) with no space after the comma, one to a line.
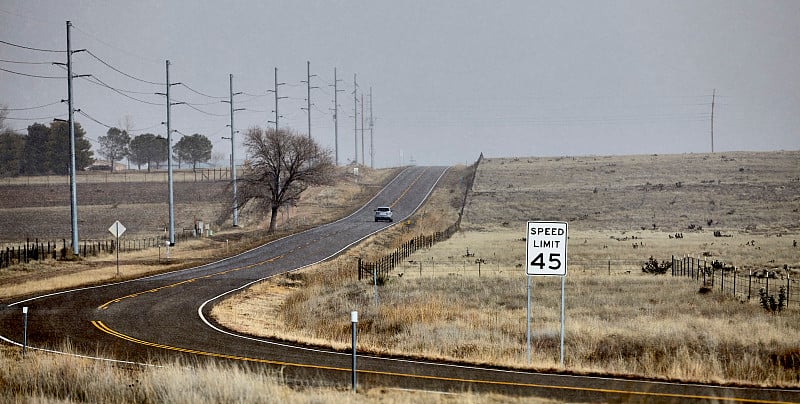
(450,79)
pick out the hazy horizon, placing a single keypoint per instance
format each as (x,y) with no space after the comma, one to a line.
(450,80)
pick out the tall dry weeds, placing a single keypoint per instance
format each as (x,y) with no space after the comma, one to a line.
(41,377)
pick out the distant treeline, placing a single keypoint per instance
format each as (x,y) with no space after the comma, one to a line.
(45,150)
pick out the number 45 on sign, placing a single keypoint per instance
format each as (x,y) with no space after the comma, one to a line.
(547,248)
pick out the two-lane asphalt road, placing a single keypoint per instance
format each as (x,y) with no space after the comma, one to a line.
(167,316)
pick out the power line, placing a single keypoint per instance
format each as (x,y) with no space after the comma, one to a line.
(33,119)
(121,72)
(32,75)
(138,57)
(99,82)
(200,110)
(255,95)
(30,108)
(32,48)
(95,120)
(25,63)
(80,111)
(203,94)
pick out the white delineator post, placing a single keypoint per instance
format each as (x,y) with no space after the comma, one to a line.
(24,329)
(354,321)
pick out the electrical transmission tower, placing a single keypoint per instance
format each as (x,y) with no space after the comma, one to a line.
(355,118)
(371,129)
(235,220)
(713,99)
(308,96)
(336,114)
(276,100)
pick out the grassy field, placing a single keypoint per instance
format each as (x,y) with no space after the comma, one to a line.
(622,210)
(443,304)
(43,377)
(48,378)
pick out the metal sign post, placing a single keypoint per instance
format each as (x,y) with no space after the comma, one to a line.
(528,311)
(546,255)
(117,229)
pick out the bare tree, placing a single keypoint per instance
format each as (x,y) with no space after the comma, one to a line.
(283,164)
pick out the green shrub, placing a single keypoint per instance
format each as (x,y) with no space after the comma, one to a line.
(770,303)
(652,266)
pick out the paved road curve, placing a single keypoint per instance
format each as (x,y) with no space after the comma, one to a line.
(167,316)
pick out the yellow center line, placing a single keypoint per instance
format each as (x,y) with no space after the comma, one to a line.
(106,329)
(190,280)
(408,188)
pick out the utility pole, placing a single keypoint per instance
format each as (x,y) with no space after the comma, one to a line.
(233,160)
(355,118)
(336,114)
(73,191)
(276,99)
(308,96)
(363,160)
(371,128)
(169,168)
(169,158)
(713,99)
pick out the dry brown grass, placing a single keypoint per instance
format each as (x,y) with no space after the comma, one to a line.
(619,321)
(47,378)
(741,191)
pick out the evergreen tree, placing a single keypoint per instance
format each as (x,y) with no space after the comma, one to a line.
(114,145)
(195,148)
(58,149)
(12,147)
(35,154)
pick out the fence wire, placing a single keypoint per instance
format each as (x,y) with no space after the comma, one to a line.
(743,285)
(41,250)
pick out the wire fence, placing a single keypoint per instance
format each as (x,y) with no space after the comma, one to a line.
(41,250)
(712,275)
(94,177)
(470,265)
(381,267)
(716,275)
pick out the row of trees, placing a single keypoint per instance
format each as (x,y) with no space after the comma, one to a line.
(45,149)
(149,149)
(282,163)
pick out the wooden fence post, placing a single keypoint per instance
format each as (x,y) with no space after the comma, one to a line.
(673,266)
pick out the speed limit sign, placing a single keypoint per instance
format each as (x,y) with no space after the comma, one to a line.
(547,249)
